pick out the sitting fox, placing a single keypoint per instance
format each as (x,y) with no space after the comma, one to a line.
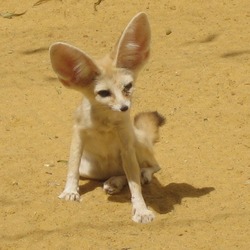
(106,144)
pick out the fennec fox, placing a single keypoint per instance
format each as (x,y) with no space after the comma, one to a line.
(106,144)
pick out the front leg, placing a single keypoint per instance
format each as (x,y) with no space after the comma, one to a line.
(71,188)
(131,167)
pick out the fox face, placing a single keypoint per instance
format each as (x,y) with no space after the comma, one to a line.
(115,91)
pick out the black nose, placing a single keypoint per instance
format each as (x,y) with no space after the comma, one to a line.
(124,108)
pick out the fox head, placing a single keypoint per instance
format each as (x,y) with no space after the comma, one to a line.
(110,80)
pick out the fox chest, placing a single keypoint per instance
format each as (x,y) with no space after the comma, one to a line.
(101,157)
(104,144)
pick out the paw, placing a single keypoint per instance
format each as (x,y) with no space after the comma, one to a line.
(70,196)
(143,216)
(114,184)
(146,176)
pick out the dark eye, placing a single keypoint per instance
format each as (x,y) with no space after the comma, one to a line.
(104,93)
(128,86)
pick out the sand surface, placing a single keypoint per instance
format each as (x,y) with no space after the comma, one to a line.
(198,77)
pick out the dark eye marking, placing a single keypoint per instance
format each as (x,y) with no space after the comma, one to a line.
(128,86)
(104,93)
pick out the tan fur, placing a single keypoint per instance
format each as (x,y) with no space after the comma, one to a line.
(149,122)
(106,145)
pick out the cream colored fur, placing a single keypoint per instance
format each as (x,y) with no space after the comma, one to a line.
(106,144)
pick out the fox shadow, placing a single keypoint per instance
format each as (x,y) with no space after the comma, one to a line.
(160,198)
(163,198)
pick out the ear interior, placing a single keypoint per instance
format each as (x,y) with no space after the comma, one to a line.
(74,68)
(133,48)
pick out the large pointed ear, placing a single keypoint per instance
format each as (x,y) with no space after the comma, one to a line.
(132,50)
(74,68)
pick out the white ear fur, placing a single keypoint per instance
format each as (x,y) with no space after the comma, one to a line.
(133,47)
(74,68)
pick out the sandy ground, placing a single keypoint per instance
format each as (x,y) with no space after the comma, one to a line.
(198,77)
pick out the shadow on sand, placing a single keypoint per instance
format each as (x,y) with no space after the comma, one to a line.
(161,198)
